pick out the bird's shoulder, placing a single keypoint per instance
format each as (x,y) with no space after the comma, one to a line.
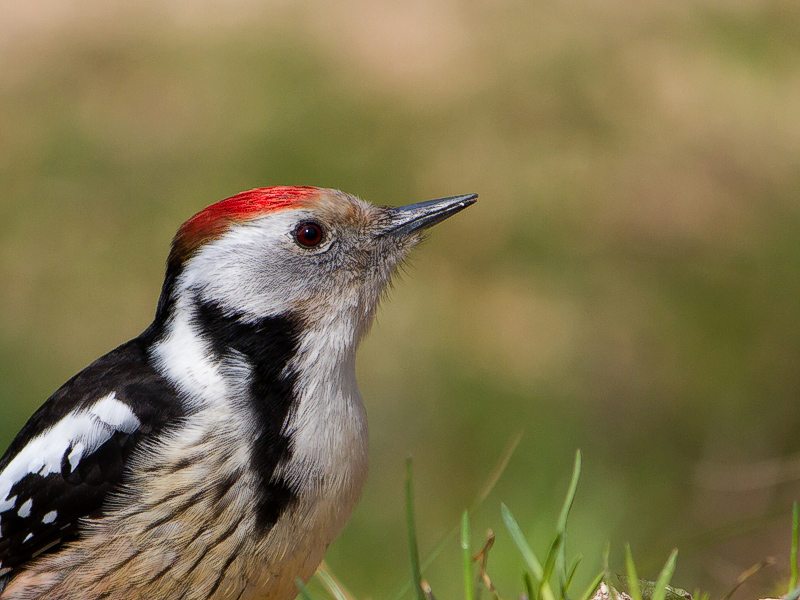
(74,450)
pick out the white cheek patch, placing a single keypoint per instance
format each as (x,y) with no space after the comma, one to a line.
(185,359)
(240,269)
(79,434)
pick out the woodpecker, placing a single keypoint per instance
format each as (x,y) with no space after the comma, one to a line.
(218,454)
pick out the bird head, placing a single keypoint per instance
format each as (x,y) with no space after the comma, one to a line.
(316,254)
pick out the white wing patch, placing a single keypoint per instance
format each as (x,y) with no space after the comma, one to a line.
(115,413)
(83,431)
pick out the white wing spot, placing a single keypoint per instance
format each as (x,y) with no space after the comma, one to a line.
(50,517)
(27,537)
(83,431)
(76,455)
(25,510)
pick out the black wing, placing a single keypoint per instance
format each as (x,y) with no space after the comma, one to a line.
(74,449)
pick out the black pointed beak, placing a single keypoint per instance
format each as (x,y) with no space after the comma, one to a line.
(415,217)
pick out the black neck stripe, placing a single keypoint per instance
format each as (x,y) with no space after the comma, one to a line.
(268,344)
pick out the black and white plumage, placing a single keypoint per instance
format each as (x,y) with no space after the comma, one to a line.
(73,450)
(218,454)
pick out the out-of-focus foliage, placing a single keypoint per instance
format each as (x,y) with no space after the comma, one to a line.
(629,282)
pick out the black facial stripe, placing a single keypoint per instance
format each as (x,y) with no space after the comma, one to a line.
(268,344)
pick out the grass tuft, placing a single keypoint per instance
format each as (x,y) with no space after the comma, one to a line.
(550,579)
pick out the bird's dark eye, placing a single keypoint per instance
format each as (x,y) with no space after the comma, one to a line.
(308,234)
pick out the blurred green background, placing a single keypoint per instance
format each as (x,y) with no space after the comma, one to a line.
(627,284)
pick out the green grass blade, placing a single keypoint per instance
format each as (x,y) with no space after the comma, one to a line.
(561,526)
(698,595)
(660,590)
(634,591)
(606,555)
(550,561)
(526,577)
(413,548)
(305,593)
(573,486)
(466,555)
(793,559)
(331,585)
(571,575)
(527,554)
(519,539)
(590,591)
